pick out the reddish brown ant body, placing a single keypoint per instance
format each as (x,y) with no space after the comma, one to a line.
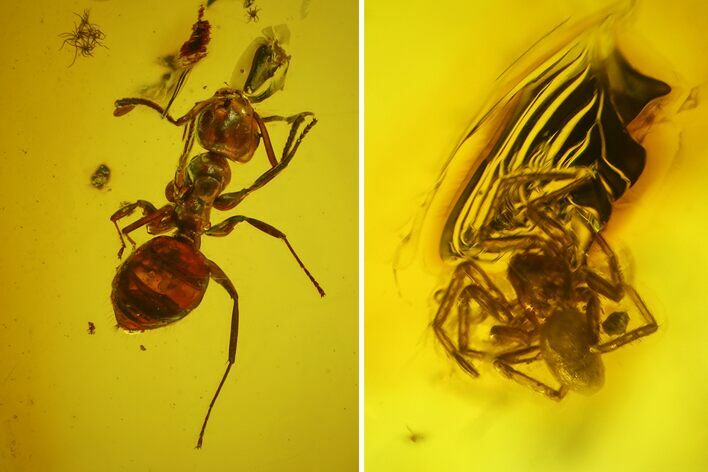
(165,279)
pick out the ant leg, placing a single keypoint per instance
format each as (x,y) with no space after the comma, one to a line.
(504,363)
(288,119)
(294,121)
(266,140)
(123,212)
(178,86)
(188,138)
(227,226)
(222,279)
(125,105)
(648,328)
(228,201)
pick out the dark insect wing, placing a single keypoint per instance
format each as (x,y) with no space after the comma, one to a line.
(568,110)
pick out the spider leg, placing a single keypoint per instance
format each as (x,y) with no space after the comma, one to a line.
(613,288)
(448,300)
(504,363)
(469,282)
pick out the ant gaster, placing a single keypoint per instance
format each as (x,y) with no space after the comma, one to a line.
(165,279)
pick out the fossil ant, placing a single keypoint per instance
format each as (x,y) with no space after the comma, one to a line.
(164,279)
(555,317)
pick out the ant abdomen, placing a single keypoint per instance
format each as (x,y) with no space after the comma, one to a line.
(160,283)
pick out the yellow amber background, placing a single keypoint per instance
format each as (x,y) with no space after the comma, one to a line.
(74,402)
(429,68)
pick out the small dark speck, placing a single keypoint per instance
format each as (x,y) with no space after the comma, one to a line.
(91,328)
(143,348)
(414,437)
(101,176)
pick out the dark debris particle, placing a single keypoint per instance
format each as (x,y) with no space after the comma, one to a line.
(616,323)
(91,328)
(143,348)
(101,176)
(414,437)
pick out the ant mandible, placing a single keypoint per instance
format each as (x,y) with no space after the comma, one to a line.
(165,279)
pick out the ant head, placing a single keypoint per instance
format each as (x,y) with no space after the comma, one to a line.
(227,126)
(263,66)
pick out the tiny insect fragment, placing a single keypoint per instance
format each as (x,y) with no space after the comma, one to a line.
(192,51)
(85,37)
(195,48)
(91,328)
(101,176)
(252,14)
